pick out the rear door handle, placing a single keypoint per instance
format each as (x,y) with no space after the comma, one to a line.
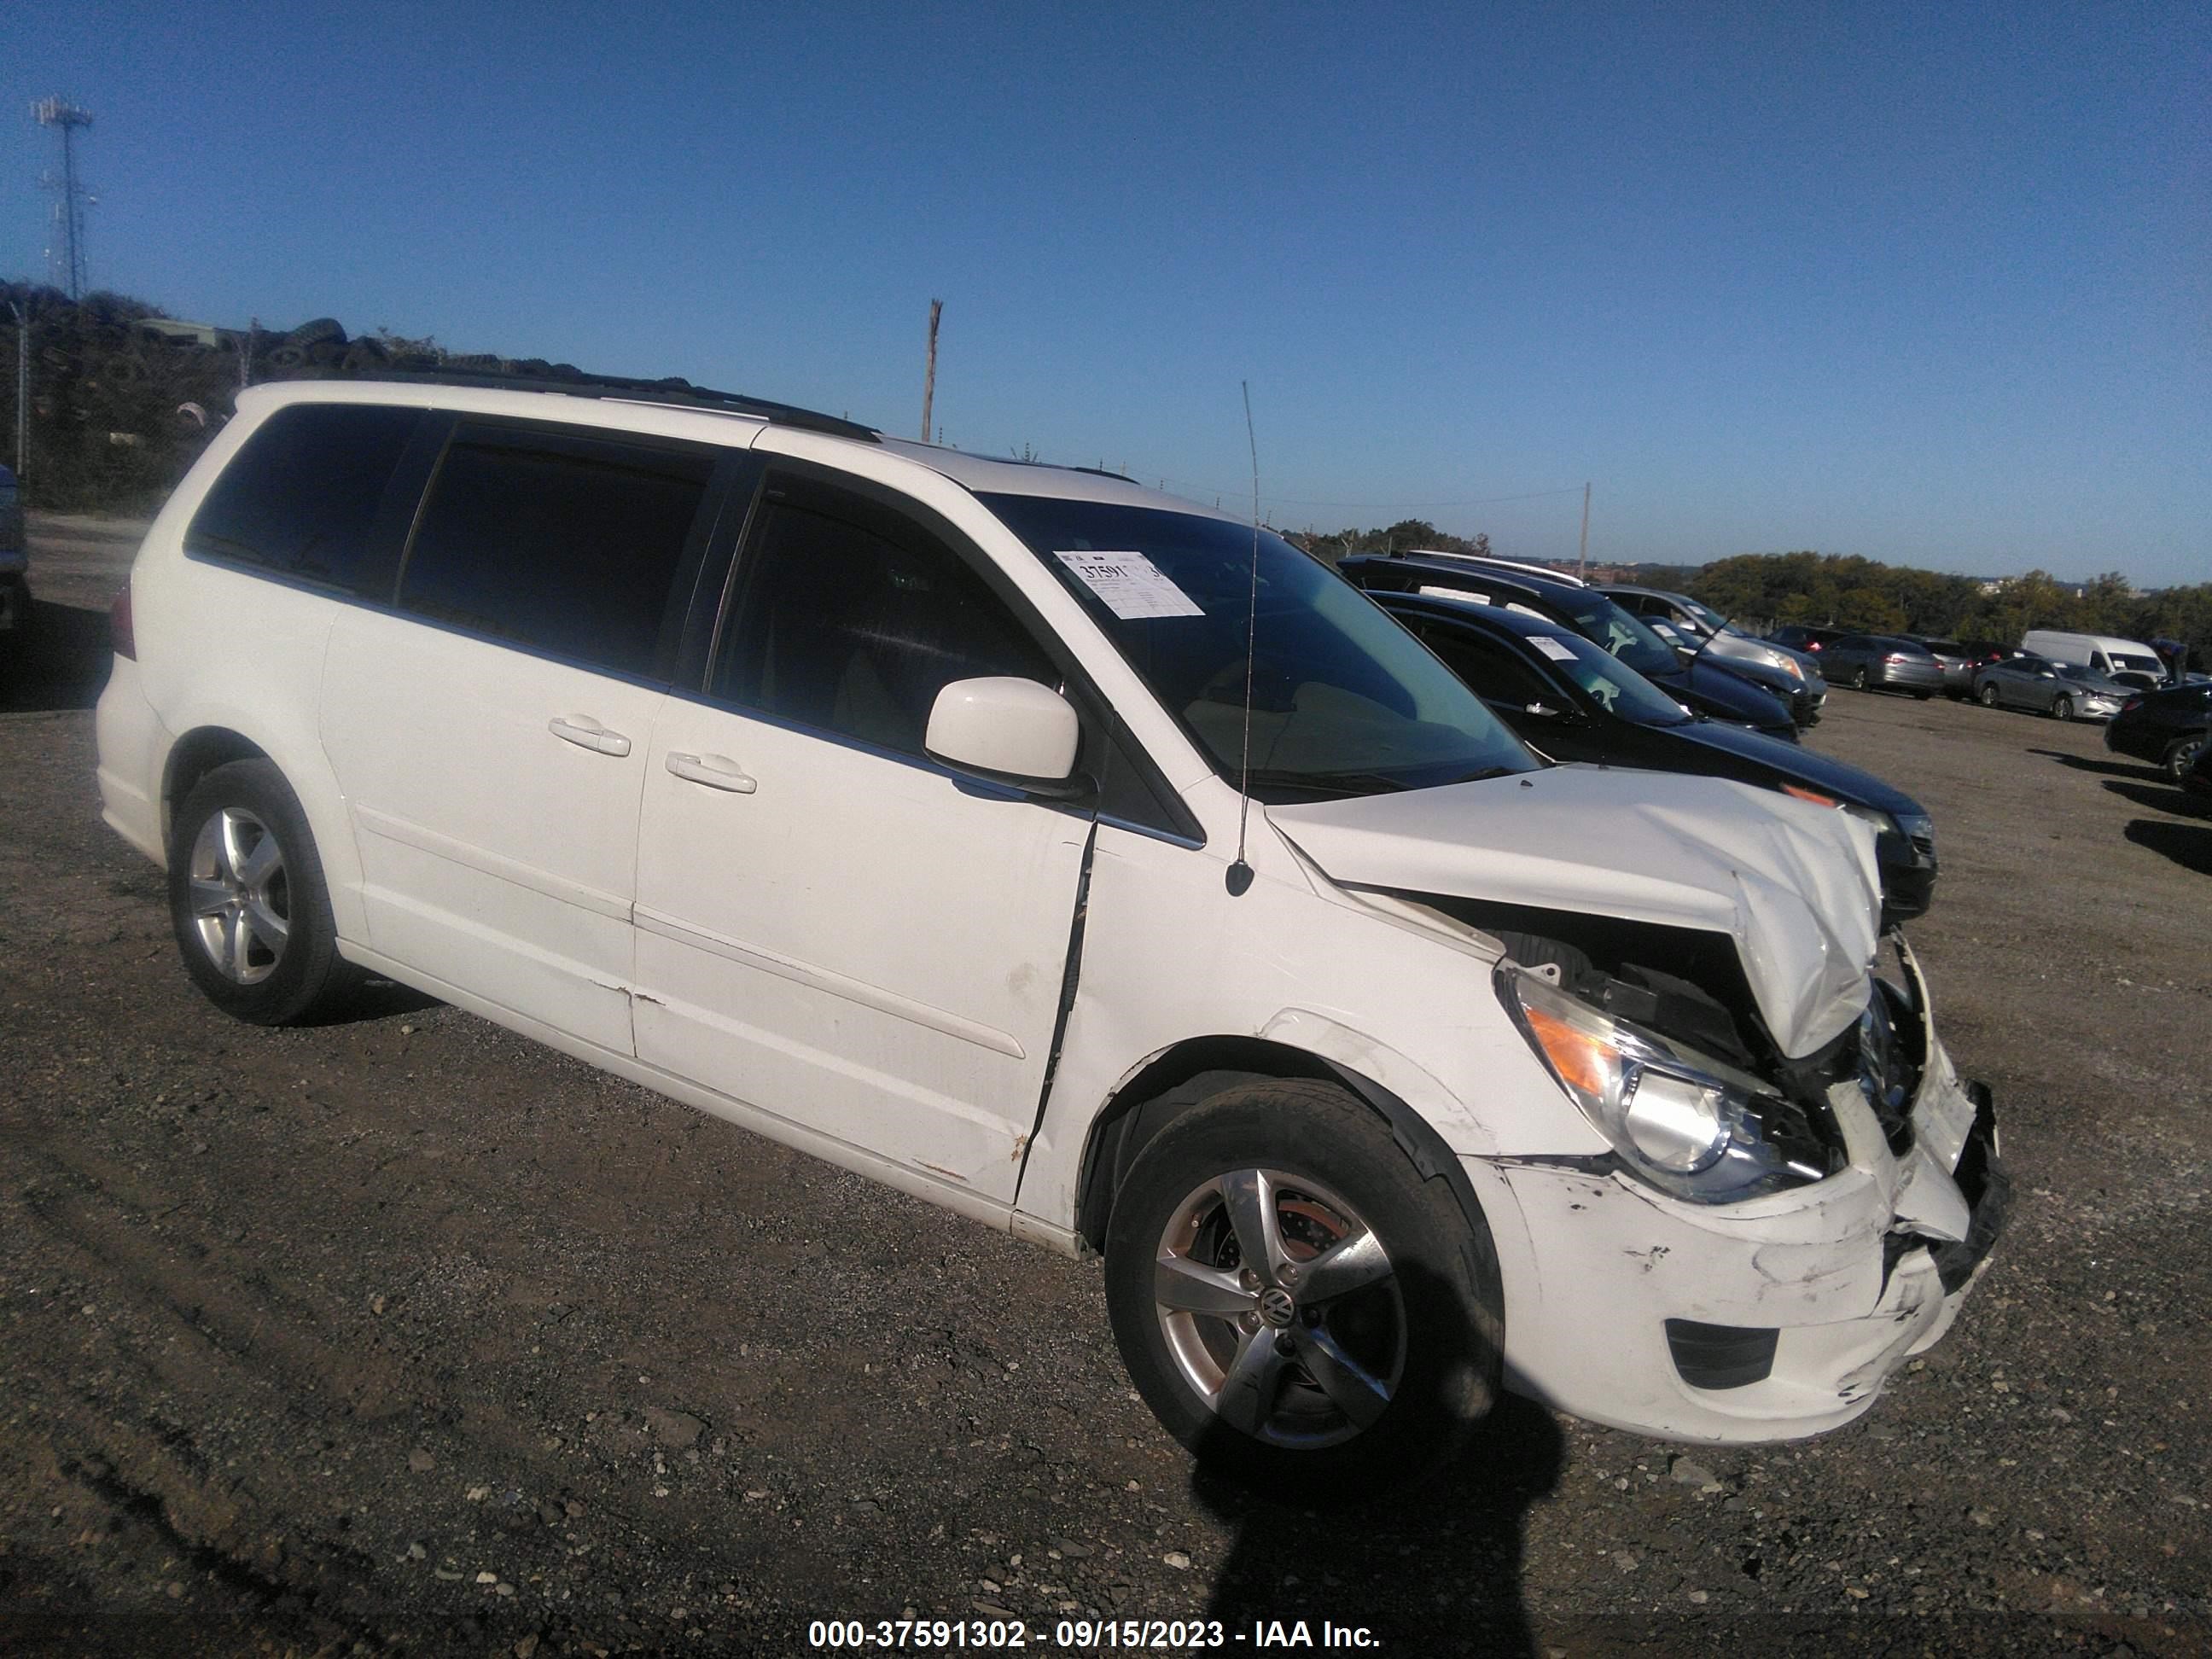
(716,771)
(588,733)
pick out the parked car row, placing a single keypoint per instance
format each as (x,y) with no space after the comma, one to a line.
(1099,866)
(2067,676)
(1751,693)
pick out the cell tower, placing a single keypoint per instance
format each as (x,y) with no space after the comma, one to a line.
(65,257)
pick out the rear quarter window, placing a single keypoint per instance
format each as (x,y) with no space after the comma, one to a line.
(300,498)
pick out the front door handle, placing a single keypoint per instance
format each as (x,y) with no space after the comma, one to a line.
(588,733)
(716,771)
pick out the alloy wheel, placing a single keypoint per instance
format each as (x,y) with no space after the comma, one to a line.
(241,901)
(1280,1308)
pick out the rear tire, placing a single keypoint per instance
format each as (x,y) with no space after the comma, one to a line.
(1296,1303)
(1987,695)
(248,901)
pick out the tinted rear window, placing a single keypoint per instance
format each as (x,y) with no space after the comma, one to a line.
(563,544)
(300,498)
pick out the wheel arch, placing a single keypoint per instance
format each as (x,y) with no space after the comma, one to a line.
(195,755)
(217,738)
(1189,1072)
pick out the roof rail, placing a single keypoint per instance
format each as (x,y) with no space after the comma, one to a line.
(1545,571)
(674,390)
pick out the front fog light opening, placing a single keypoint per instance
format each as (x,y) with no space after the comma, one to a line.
(1681,1124)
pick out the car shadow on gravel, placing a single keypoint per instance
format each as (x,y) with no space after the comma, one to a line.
(2188,845)
(1435,1568)
(2109,769)
(2172,798)
(60,662)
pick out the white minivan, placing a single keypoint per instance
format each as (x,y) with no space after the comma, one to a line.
(1097,866)
(2130,661)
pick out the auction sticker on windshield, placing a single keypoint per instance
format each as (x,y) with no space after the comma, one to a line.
(1132,586)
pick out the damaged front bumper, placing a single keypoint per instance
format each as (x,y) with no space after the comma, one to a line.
(1767,1320)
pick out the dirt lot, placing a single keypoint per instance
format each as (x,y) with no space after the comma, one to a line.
(403,1333)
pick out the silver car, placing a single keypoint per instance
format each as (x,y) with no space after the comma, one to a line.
(2064,690)
(1871,662)
(1956,662)
(1703,625)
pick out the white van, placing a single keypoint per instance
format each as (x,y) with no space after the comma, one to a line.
(891,802)
(2107,655)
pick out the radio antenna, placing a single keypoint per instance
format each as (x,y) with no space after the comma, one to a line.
(1240,873)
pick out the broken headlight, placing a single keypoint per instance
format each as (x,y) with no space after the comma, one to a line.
(1684,1122)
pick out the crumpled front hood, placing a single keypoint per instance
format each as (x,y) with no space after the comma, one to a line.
(1794,885)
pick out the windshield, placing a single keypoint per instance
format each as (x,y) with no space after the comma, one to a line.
(1619,689)
(1344,700)
(1599,620)
(2075,671)
(2135,660)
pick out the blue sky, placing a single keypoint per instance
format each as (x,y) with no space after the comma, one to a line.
(1926,284)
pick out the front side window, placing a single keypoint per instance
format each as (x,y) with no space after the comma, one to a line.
(850,618)
(1343,700)
(300,498)
(558,542)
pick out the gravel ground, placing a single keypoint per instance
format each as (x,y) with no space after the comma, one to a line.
(403,1334)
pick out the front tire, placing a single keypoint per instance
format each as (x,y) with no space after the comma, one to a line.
(2061,708)
(1296,1303)
(1989,696)
(1859,678)
(248,902)
(2179,754)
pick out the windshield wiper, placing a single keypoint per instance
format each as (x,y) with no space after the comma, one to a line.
(1342,783)
(1366,783)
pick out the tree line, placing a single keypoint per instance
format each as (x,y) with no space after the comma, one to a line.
(1761,590)
(121,407)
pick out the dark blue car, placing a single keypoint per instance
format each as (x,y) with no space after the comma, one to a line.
(1572,701)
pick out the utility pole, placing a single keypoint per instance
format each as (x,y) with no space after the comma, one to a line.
(1581,559)
(929,380)
(22,394)
(67,260)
